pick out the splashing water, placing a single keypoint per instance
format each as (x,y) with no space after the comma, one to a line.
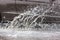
(32,19)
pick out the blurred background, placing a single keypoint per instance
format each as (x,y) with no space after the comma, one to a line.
(11,8)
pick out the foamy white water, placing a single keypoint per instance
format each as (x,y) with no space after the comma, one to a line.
(39,34)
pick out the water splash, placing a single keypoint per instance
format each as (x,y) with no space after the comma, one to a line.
(29,18)
(32,19)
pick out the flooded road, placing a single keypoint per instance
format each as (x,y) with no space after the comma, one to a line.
(28,35)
